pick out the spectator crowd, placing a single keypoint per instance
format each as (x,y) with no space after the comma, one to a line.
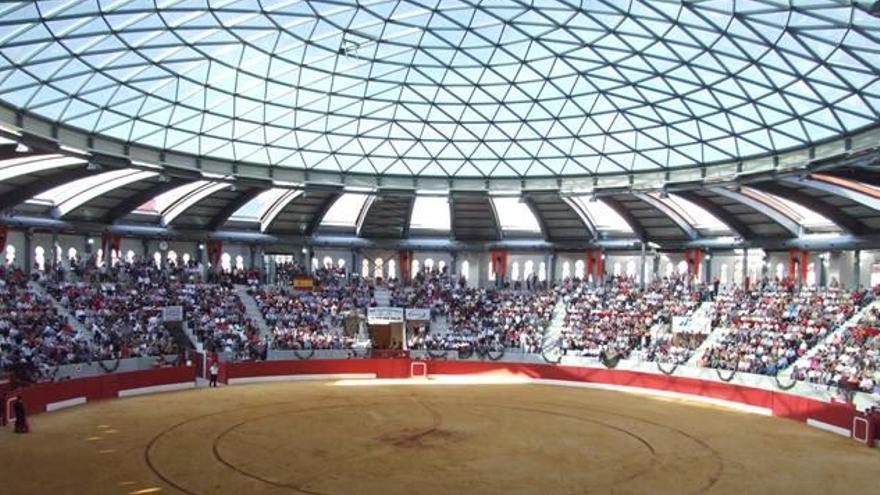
(119,312)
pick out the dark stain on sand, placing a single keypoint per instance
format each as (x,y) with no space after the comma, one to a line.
(415,438)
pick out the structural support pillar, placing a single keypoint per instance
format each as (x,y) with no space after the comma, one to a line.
(455,268)
(55,252)
(745,266)
(644,260)
(857,268)
(655,269)
(707,268)
(551,269)
(28,252)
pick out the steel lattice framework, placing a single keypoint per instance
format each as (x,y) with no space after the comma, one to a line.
(449,88)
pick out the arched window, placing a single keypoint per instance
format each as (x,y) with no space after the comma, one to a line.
(40,258)
(186,258)
(566,270)
(226,262)
(314,264)
(378,268)
(630,268)
(429,264)
(415,268)
(542,272)
(392,269)
(328,262)
(669,270)
(811,274)
(340,263)
(441,265)
(682,267)
(529,269)
(618,269)
(99,258)
(129,256)
(172,257)
(71,253)
(724,276)
(491,272)
(466,270)
(157,259)
(239,262)
(780,271)
(365,268)
(514,271)
(10,254)
(579,269)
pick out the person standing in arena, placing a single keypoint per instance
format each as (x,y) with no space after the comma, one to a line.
(21,423)
(214,371)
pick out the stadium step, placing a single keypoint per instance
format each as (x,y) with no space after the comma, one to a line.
(192,337)
(553,335)
(804,361)
(703,314)
(253,309)
(75,323)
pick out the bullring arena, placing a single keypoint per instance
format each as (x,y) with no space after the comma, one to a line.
(393,247)
(470,428)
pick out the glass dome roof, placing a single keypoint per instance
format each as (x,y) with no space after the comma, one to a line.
(490,88)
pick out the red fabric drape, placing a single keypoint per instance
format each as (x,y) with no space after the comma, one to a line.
(499,262)
(215,249)
(595,264)
(693,257)
(4,233)
(797,264)
(405,260)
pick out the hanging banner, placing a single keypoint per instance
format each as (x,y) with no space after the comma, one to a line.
(798,265)
(384,314)
(303,282)
(694,258)
(499,263)
(4,233)
(405,263)
(172,314)
(595,264)
(215,249)
(418,314)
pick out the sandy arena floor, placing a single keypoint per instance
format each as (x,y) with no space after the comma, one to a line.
(331,439)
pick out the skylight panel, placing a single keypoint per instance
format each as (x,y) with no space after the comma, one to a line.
(697,216)
(602,216)
(68,197)
(345,211)
(185,202)
(15,167)
(161,202)
(254,209)
(431,213)
(515,215)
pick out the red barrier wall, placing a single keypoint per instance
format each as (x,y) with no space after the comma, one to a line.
(383,368)
(780,403)
(93,388)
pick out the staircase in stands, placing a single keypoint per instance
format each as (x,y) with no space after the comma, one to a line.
(552,343)
(75,323)
(804,361)
(252,309)
(703,315)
